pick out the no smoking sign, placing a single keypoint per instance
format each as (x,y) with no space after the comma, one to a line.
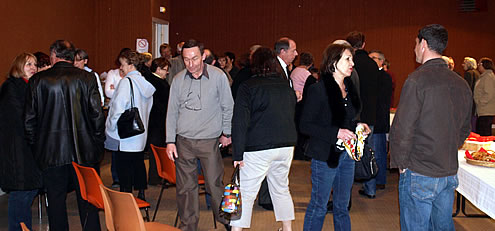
(142,45)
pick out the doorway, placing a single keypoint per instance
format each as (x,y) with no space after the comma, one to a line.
(160,35)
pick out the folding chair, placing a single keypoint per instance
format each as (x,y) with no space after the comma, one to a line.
(89,182)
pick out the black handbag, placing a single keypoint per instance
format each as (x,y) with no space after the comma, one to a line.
(231,205)
(366,168)
(130,123)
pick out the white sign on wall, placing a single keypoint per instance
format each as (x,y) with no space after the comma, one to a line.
(142,45)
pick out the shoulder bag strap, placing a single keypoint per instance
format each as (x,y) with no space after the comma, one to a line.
(132,92)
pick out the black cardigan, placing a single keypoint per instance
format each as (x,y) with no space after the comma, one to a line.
(323,115)
(18,169)
(263,115)
(158,113)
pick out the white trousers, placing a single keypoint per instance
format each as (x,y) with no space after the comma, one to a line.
(275,165)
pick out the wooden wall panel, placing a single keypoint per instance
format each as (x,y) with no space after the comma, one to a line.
(119,24)
(155,9)
(30,26)
(390,26)
(101,27)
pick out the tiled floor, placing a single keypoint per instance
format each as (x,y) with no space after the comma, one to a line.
(381,213)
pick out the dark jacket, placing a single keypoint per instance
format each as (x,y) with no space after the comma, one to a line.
(323,115)
(243,75)
(471,76)
(18,170)
(156,123)
(234,71)
(382,124)
(368,82)
(432,121)
(263,115)
(64,120)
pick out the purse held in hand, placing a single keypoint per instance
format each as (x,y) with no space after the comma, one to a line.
(366,168)
(231,206)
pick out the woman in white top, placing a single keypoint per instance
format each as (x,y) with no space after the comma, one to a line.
(114,76)
(111,82)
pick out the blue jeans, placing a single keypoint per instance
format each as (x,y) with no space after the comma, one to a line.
(426,202)
(20,208)
(379,145)
(324,179)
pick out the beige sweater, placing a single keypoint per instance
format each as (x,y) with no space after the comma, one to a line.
(484,94)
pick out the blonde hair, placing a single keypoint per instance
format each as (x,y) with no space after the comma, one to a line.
(147,56)
(470,63)
(17,68)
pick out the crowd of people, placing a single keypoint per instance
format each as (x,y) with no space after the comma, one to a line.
(270,110)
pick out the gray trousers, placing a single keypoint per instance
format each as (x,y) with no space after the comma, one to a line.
(208,152)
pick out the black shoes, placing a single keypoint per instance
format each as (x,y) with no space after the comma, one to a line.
(330,207)
(267,206)
(227,227)
(115,184)
(141,195)
(361,192)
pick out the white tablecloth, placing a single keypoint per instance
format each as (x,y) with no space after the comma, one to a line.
(477,184)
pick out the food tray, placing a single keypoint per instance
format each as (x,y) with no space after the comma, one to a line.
(480,163)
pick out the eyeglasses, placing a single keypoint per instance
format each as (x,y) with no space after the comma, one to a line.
(193,98)
(374,57)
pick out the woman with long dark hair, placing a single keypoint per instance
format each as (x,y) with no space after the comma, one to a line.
(263,136)
(329,114)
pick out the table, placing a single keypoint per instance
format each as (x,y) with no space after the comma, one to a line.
(477,184)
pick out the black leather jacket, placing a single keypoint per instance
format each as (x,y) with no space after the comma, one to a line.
(64,120)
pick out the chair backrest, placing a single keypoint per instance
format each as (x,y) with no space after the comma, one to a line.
(121,211)
(89,182)
(24,227)
(164,166)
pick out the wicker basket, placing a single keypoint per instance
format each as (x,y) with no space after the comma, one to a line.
(480,163)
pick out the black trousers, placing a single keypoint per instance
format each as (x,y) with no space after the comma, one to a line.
(131,171)
(58,182)
(484,125)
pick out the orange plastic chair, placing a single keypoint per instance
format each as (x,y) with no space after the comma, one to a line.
(89,182)
(166,170)
(122,213)
(24,227)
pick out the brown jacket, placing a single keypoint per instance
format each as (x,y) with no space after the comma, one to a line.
(433,119)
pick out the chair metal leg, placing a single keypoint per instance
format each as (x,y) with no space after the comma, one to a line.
(159,199)
(147,215)
(176,218)
(40,206)
(214,220)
